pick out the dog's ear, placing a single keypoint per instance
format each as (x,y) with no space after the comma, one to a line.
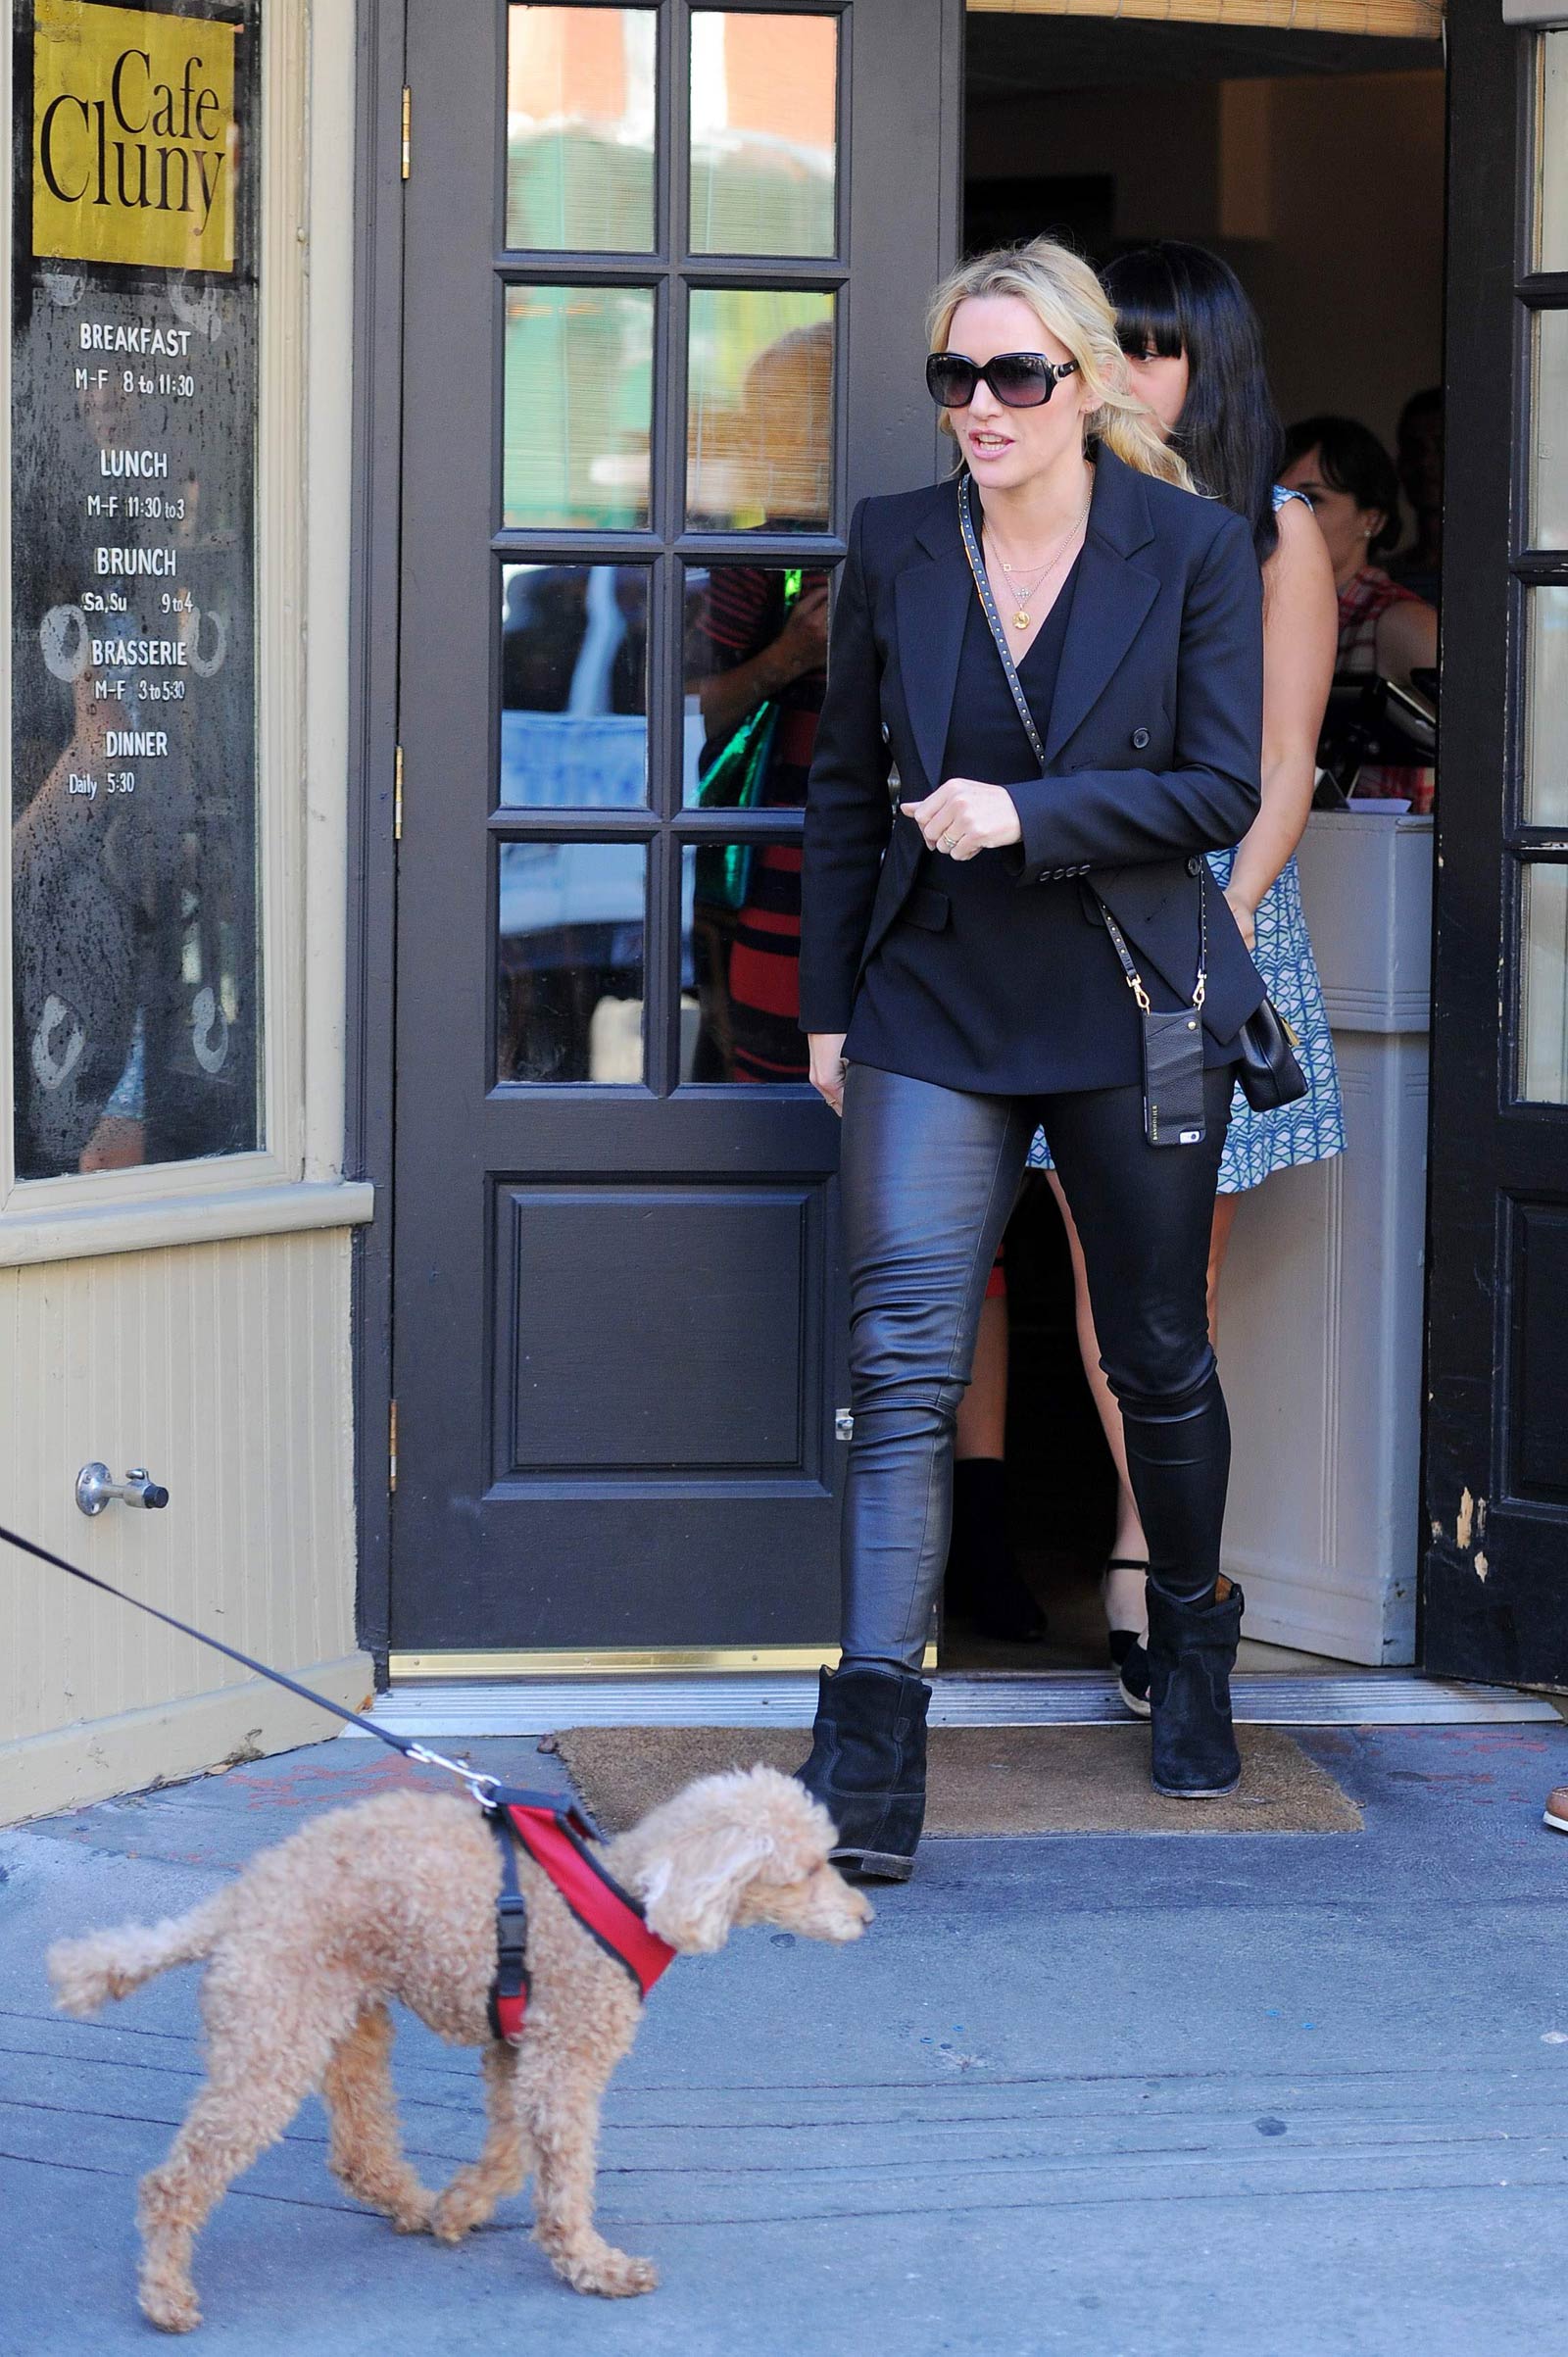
(692,1887)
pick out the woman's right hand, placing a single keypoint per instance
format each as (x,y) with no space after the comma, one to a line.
(1245,914)
(828,1067)
(802,645)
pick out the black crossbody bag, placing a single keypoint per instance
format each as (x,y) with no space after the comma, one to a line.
(1172,1042)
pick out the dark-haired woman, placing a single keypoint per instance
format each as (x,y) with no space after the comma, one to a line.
(1044,705)
(1343,472)
(1194,353)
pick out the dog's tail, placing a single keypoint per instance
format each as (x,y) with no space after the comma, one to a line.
(111,1964)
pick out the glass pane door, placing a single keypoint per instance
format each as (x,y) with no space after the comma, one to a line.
(631,447)
(1497,1595)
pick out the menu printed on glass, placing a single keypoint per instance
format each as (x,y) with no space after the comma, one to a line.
(135,965)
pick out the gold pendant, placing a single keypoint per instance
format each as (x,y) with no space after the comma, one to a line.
(1020,620)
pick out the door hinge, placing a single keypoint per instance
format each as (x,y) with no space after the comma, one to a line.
(392,1449)
(397,796)
(408,109)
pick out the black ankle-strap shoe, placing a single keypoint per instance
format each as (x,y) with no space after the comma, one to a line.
(1192,1652)
(1129,1657)
(867,1768)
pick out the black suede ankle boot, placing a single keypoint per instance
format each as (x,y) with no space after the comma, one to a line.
(1192,1652)
(867,1768)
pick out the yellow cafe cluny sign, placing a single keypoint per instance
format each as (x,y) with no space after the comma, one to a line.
(134,141)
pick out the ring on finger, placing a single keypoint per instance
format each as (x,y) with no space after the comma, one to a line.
(948,840)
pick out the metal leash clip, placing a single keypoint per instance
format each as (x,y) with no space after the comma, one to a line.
(477,1781)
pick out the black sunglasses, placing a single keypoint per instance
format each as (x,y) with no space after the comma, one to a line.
(1020,381)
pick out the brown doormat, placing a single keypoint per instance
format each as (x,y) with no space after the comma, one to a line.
(984,1780)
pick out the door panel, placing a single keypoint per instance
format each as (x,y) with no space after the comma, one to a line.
(728,1388)
(1497,1566)
(632,439)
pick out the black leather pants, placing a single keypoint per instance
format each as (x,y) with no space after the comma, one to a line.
(929,1176)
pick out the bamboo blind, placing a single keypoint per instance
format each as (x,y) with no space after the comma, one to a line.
(1405,20)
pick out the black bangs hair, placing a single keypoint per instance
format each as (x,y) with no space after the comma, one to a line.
(1143,289)
(1172,298)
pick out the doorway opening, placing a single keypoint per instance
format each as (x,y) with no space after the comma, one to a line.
(1314,164)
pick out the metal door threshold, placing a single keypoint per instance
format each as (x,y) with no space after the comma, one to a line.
(441,1709)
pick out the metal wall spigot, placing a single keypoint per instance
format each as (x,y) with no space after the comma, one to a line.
(97,1487)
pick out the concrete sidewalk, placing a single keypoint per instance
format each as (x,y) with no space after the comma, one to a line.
(1291,2095)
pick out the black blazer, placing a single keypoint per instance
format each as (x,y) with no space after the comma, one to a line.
(1153,752)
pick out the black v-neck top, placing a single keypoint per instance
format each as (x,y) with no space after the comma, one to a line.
(940,1000)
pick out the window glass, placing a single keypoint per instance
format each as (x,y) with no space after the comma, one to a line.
(573,686)
(1548,433)
(133,821)
(1543,1003)
(578,395)
(764,96)
(1551,155)
(740,963)
(756,676)
(580,128)
(569,962)
(759,423)
(1546,793)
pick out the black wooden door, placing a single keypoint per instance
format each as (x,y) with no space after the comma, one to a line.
(1496,1571)
(664,274)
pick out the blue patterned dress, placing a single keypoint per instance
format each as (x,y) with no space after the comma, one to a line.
(1313,1129)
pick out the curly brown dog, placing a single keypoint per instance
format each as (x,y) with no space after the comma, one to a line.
(396,1899)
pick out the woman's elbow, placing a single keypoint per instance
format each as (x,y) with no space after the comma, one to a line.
(1290,771)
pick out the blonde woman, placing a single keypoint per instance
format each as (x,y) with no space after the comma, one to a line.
(959,981)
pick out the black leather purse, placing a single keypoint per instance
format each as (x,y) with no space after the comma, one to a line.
(1268,1074)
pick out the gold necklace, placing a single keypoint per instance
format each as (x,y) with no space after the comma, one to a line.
(1026,598)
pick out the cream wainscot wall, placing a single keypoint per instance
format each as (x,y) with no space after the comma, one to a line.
(195,1318)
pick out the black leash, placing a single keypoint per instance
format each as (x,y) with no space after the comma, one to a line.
(479,1786)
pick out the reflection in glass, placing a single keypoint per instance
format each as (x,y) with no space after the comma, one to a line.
(1543,985)
(755,674)
(740,963)
(1548,433)
(578,389)
(580,128)
(573,687)
(569,962)
(764,92)
(1551,155)
(759,426)
(1546,793)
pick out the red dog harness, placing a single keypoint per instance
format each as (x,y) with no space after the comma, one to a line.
(557,1840)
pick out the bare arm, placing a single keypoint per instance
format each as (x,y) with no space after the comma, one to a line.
(727,698)
(1407,639)
(1301,636)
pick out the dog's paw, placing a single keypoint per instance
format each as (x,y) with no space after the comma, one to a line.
(452,2214)
(632,2277)
(615,2275)
(416,2217)
(172,2307)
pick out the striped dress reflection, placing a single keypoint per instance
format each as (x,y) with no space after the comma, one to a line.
(746,944)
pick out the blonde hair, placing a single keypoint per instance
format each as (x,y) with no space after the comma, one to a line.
(1067,299)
